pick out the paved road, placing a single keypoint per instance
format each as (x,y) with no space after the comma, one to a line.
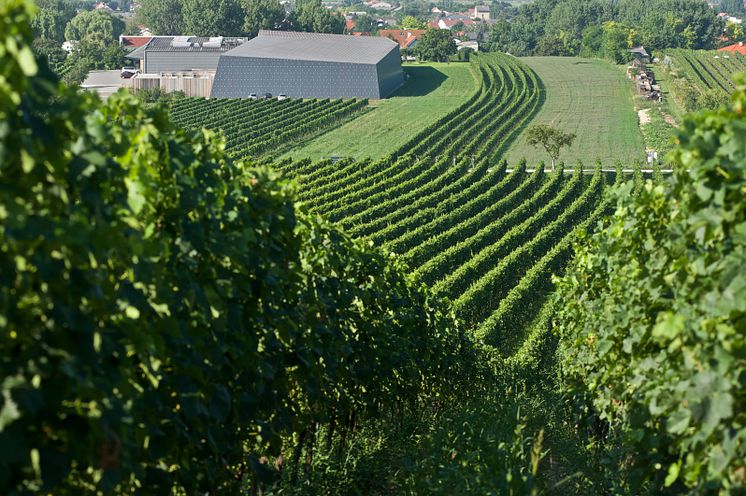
(105,82)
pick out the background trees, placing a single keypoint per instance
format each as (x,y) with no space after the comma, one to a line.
(213,18)
(311,16)
(95,26)
(262,14)
(97,35)
(236,17)
(163,17)
(570,27)
(411,22)
(51,19)
(435,44)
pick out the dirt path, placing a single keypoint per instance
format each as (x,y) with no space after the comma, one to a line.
(669,119)
(644,116)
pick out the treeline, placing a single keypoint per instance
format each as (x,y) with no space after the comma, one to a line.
(95,33)
(94,37)
(236,17)
(604,28)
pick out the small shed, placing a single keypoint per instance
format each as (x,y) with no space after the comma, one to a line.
(639,53)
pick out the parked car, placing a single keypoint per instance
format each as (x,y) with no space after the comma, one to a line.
(282,96)
(128,72)
(252,96)
(267,96)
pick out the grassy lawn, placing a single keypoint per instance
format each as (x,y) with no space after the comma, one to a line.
(431,92)
(592,99)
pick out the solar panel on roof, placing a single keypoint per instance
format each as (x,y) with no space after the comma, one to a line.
(181,42)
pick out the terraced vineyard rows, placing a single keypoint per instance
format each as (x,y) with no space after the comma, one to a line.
(252,127)
(709,71)
(485,238)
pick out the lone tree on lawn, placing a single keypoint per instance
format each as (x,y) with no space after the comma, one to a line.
(435,44)
(551,138)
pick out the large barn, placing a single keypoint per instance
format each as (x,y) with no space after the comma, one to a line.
(310,65)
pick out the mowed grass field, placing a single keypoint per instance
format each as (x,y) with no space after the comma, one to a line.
(592,99)
(431,91)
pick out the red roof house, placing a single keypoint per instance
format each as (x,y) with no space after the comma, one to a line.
(406,38)
(134,41)
(734,48)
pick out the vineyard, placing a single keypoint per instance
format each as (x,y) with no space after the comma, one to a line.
(252,127)
(182,312)
(483,237)
(702,79)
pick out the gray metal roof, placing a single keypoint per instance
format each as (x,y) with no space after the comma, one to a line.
(165,44)
(137,54)
(315,46)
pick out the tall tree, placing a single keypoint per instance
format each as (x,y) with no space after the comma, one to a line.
(51,19)
(52,51)
(411,22)
(549,138)
(215,18)
(162,17)
(365,24)
(312,16)
(617,40)
(435,44)
(262,14)
(94,25)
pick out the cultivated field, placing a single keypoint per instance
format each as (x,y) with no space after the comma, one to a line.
(432,91)
(592,99)
(708,70)
(253,127)
(486,239)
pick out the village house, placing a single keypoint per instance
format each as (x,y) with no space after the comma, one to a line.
(406,38)
(444,23)
(739,48)
(479,12)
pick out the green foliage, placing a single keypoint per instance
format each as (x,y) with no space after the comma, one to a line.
(557,27)
(549,138)
(167,315)
(236,17)
(51,51)
(214,18)
(436,45)
(616,41)
(365,24)
(95,26)
(261,14)
(312,16)
(651,318)
(163,17)
(50,19)
(411,22)
(702,80)
(97,33)
(253,127)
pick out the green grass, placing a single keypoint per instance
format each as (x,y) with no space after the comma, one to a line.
(592,99)
(431,92)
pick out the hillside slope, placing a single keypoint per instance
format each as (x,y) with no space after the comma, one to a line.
(592,99)
(432,91)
